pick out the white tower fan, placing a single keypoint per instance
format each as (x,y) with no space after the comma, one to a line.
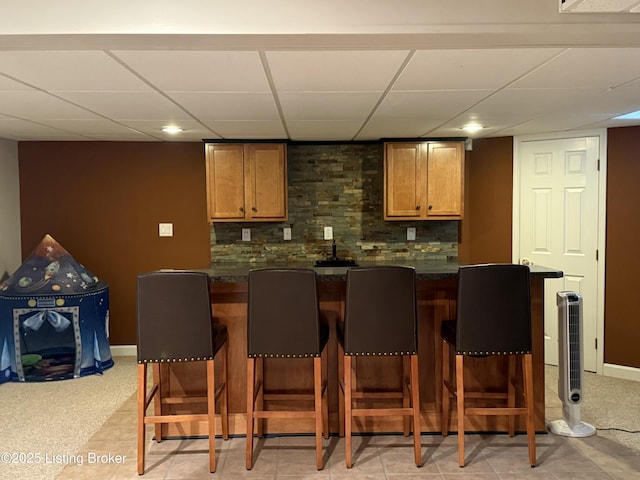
(570,367)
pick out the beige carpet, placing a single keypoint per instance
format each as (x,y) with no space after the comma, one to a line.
(42,422)
(611,405)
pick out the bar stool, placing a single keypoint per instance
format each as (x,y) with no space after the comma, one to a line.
(493,318)
(380,320)
(283,322)
(175,325)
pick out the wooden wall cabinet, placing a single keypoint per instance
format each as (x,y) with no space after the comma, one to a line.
(246,182)
(424,181)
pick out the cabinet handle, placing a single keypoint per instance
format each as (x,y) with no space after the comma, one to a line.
(430,207)
(417,207)
(241,209)
(254,209)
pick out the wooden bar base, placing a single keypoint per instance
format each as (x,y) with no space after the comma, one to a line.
(436,302)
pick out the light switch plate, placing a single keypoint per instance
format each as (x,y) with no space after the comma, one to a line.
(328,233)
(411,233)
(246,234)
(165,229)
(286,233)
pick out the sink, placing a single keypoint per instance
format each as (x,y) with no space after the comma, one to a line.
(336,262)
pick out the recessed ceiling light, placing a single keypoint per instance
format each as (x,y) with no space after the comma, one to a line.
(472,127)
(629,116)
(171,129)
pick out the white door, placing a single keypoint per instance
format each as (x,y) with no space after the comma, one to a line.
(558,227)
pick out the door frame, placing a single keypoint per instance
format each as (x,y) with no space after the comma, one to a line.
(602,217)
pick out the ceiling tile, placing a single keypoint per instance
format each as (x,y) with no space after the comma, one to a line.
(586,68)
(201,71)
(36,105)
(23,130)
(302,130)
(338,71)
(440,105)
(469,69)
(328,105)
(91,127)
(76,70)
(228,106)
(248,129)
(513,106)
(191,130)
(128,105)
(7,84)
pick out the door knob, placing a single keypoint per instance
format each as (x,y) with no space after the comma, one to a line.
(525,261)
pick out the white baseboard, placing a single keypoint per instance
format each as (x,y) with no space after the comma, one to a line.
(124,350)
(620,371)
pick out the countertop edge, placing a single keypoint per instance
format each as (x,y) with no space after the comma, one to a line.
(238,273)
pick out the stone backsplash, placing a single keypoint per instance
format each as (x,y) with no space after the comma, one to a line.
(341,186)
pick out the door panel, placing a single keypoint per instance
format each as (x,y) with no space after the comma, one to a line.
(559,227)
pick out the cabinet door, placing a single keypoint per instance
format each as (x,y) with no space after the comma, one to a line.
(445,180)
(403,184)
(267,174)
(225,182)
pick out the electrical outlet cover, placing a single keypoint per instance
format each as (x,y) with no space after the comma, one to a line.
(328,233)
(165,229)
(246,234)
(286,233)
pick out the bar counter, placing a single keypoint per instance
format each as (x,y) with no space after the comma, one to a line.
(436,301)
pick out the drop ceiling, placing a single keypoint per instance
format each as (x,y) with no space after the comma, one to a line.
(359,71)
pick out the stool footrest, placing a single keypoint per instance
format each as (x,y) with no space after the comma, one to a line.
(284,414)
(495,411)
(379,395)
(381,412)
(175,418)
(184,400)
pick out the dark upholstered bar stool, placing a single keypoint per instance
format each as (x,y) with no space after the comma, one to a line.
(283,322)
(175,325)
(493,318)
(380,319)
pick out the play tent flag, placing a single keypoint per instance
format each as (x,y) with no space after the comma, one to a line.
(54,316)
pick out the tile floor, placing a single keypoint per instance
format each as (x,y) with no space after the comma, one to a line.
(489,457)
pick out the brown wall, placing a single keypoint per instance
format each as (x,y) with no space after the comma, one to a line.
(485,232)
(622,321)
(103,201)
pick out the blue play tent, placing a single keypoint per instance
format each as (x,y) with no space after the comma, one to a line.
(54,317)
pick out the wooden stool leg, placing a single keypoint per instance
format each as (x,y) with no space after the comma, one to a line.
(250,394)
(158,375)
(317,394)
(141,400)
(341,388)
(446,374)
(415,404)
(224,401)
(211,413)
(325,399)
(259,400)
(347,410)
(528,392)
(406,392)
(511,393)
(460,402)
